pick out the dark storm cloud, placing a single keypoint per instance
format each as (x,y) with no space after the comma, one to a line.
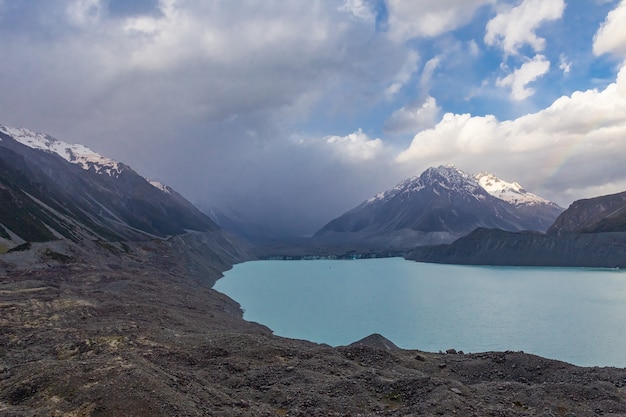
(259,106)
(203,96)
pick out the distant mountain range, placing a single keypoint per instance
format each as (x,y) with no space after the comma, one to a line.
(439,206)
(590,233)
(53,190)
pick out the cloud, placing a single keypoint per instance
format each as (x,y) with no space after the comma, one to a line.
(410,19)
(429,69)
(473,48)
(84,12)
(413,118)
(355,147)
(564,64)
(183,62)
(520,78)
(404,75)
(611,36)
(552,152)
(514,28)
(359,8)
(246,104)
(206,96)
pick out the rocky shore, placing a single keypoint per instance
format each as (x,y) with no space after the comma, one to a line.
(136,330)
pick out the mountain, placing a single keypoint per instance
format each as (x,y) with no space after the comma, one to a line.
(600,214)
(52,190)
(590,233)
(441,205)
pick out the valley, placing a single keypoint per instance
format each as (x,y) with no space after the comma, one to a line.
(108,310)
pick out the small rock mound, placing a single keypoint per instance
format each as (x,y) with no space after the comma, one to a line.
(376,341)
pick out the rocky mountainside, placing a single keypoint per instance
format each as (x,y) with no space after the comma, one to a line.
(600,214)
(51,190)
(439,206)
(590,233)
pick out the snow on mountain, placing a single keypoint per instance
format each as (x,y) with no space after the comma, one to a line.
(442,204)
(160,186)
(74,153)
(408,185)
(447,177)
(510,192)
(451,178)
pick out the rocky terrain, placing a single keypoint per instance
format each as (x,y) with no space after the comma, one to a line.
(135,329)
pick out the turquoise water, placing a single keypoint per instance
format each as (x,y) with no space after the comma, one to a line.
(576,315)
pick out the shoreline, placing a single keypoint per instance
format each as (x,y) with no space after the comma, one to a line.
(276,313)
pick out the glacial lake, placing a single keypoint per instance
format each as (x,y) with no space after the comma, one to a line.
(577,315)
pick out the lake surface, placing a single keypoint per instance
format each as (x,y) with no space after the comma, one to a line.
(577,315)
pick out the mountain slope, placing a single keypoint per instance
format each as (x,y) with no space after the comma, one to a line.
(440,205)
(512,193)
(46,196)
(77,154)
(499,247)
(590,233)
(601,214)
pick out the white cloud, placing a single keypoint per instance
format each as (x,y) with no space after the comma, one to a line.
(84,12)
(514,28)
(355,147)
(410,19)
(429,69)
(413,118)
(359,8)
(564,64)
(520,78)
(404,75)
(473,48)
(611,36)
(568,150)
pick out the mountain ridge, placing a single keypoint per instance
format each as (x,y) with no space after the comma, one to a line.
(440,205)
(49,196)
(590,233)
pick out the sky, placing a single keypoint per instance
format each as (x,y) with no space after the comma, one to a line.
(289,113)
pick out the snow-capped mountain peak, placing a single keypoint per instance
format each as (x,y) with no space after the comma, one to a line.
(450,178)
(442,204)
(512,193)
(74,153)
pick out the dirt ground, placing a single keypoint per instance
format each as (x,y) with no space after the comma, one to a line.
(139,332)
